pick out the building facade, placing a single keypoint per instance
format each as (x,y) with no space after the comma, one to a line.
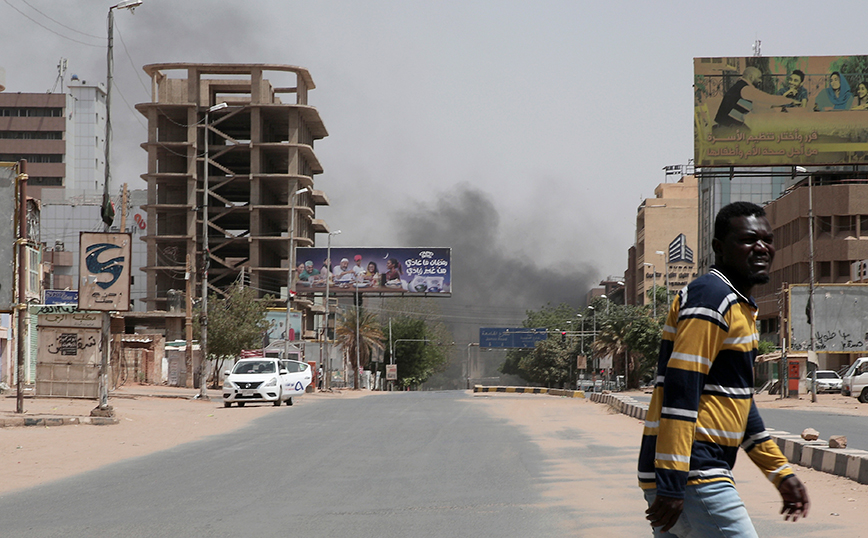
(258,153)
(666,234)
(840,208)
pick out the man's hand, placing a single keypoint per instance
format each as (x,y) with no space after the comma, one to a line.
(665,511)
(795,496)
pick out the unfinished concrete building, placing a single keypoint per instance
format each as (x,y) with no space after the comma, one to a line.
(259,154)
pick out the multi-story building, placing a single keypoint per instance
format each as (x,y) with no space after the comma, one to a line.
(840,208)
(62,136)
(665,238)
(258,152)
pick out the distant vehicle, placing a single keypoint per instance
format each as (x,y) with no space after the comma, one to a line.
(855,380)
(827,381)
(265,379)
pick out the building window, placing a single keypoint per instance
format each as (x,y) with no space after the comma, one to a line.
(824,226)
(846,226)
(31,135)
(863,225)
(31,112)
(33,158)
(45,181)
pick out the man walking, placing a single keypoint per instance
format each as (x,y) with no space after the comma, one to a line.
(702,408)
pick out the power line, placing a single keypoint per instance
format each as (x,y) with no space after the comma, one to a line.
(34,21)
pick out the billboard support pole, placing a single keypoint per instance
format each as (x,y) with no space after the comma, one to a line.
(22,293)
(811,279)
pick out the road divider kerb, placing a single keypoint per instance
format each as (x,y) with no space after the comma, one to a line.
(530,390)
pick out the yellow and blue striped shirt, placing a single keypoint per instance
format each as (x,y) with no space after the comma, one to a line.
(702,408)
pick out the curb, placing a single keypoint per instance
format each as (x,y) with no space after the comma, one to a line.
(50,422)
(847,462)
(531,390)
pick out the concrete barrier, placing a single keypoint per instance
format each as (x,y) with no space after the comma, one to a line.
(531,390)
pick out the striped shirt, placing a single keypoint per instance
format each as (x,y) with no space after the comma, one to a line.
(702,408)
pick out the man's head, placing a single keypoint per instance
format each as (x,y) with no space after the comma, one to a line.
(743,245)
(345,263)
(358,259)
(752,75)
(308,265)
(796,78)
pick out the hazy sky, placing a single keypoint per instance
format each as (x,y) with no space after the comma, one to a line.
(525,132)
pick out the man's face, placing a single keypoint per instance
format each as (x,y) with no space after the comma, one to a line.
(794,81)
(747,251)
(345,264)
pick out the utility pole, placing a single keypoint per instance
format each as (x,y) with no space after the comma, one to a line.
(22,281)
(188,315)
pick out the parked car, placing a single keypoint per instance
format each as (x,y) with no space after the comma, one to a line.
(827,381)
(265,379)
(855,380)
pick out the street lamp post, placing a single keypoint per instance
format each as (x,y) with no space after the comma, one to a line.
(327,309)
(469,369)
(131,5)
(653,286)
(290,260)
(594,339)
(665,268)
(206,257)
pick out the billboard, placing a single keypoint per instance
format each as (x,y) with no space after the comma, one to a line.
(840,318)
(104,269)
(8,228)
(383,271)
(276,318)
(782,110)
(517,337)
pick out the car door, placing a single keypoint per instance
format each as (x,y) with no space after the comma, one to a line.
(298,377)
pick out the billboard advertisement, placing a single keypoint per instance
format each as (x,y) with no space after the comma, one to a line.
(382,271)
(782,110)
(276,318)
(104,269)
(517,337)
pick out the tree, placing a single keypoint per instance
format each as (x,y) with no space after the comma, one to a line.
(417,354)
(538,365)
(236,321)
(358,326)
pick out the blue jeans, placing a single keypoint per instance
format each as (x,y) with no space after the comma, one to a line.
(710,511)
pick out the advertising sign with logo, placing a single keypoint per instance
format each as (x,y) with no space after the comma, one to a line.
(104,271)
(381,271)
(781,110)
(276,318)
(391,372)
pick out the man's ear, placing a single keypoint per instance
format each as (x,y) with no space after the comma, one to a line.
(716,246)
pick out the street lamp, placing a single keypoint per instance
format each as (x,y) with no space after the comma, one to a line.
(666,268)
(653,286)
(206,258)
(594,339)
(290,260)
(327,309)
(131,5)
(469,369)
(604,296)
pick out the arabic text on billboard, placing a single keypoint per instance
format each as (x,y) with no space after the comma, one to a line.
(423,271)
(790,110)
(517,337)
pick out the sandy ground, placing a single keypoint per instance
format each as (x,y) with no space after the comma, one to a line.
(152,420)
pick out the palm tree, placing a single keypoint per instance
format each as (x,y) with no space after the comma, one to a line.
(612,339)
(368,334)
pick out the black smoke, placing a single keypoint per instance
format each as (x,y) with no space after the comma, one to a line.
(495,279)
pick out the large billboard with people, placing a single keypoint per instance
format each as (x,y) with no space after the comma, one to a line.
(382,271)
(784,110)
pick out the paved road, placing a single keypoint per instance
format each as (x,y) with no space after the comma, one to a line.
(403,464)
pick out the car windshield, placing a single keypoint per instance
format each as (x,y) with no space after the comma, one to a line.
(827,375)
(254,367)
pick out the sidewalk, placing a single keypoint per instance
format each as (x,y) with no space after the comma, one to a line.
(60,411)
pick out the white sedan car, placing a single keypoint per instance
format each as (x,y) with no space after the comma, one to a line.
(261,379)
(827,381)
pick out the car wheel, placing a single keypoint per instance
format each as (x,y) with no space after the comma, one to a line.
(240,404)
(864,396)
(289,401)
(227,404)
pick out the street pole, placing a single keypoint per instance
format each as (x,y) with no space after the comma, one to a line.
(653,286)
(290,260)
(22,280)
(391,354)
(469,364)
(325,334)
(811,278)
(358,330)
